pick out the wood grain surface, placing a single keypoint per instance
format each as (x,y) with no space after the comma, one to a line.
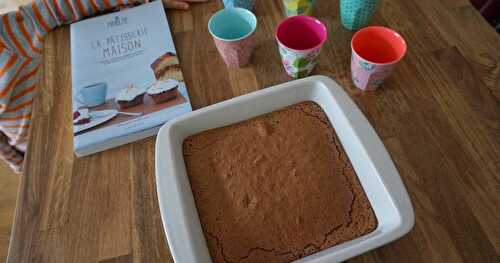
(9,186)
(438,115)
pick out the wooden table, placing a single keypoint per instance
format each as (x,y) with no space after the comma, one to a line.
(438,115)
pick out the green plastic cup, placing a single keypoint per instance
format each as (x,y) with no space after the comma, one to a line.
(356,14)
(298,7)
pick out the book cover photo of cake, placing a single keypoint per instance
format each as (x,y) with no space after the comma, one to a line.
(126,78)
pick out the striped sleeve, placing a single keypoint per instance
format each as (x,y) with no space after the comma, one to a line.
(23,31)
(18,76)
(68,11)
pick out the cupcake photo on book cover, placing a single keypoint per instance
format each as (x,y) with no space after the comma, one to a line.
(130,97)
(163,91)
(126,77)
(131,101)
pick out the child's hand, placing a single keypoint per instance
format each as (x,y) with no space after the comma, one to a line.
(180,4)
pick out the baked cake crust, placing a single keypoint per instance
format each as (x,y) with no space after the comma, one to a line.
(275,188)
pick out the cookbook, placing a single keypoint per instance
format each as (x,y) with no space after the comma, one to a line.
(126,78)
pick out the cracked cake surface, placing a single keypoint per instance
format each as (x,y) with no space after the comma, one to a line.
(275,188)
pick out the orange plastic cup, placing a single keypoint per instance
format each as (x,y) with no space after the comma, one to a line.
(376,50)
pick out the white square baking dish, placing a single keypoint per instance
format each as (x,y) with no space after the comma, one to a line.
(373,165)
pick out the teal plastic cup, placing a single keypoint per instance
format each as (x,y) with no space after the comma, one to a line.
(356,14)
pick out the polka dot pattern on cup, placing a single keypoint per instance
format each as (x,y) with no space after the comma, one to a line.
(356,14)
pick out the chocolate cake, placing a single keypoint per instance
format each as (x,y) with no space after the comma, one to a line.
(163,91)
(275,188)
(130,97)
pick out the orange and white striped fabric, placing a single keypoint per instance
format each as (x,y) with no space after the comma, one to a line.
(21,42)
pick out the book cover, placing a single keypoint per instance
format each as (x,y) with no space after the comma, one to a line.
(126,78)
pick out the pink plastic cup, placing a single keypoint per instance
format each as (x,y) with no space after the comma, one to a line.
(300,39)
(233,32)
(376,51)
